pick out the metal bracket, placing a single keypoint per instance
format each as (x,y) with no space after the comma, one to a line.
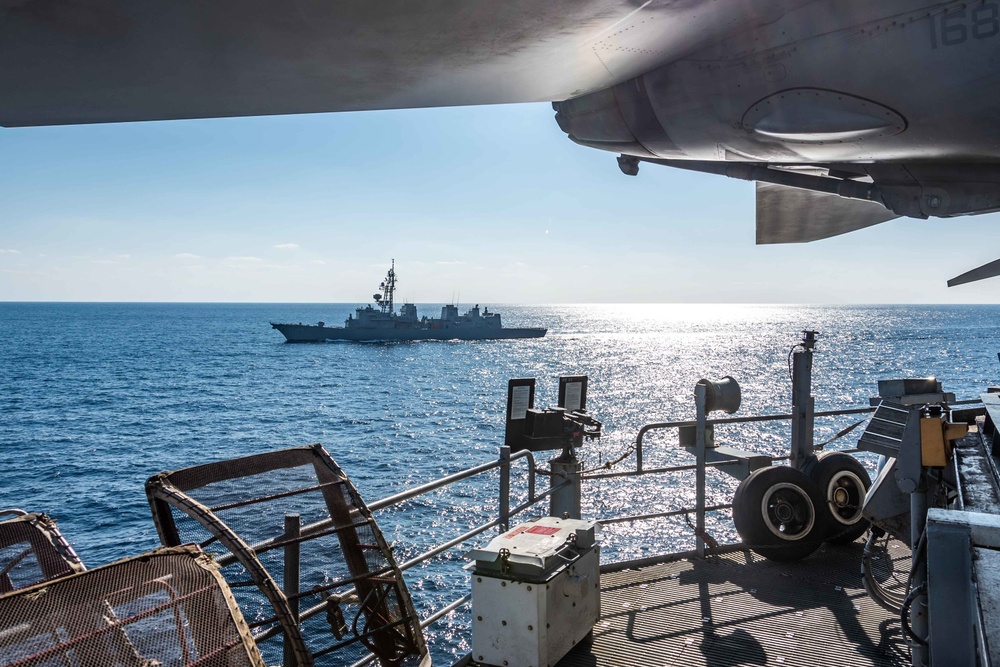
(504,561)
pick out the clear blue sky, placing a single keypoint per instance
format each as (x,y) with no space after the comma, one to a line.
(493,204)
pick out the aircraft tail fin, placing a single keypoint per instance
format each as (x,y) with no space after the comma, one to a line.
(793,215)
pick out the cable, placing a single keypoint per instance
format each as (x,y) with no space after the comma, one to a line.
(790,353)
(878,556)
(904,614)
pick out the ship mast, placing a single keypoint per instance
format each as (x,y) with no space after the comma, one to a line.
(390,285)
(387,289)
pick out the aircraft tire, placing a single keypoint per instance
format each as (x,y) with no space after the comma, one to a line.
(843,483)
(775,512)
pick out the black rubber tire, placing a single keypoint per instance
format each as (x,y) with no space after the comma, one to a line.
(843,483)
(775,512)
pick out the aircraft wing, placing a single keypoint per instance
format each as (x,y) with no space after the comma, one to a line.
(91,61)
(823,102)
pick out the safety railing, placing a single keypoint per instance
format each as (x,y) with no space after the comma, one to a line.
(501,522)
(505,513)
(730,420)
(700,466)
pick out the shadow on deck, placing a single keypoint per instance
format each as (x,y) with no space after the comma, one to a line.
(740,609)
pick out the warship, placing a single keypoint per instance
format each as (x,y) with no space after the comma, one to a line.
(381,322)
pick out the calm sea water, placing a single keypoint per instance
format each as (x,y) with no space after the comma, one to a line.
(97,397)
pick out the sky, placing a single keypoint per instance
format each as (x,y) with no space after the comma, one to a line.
(475,204)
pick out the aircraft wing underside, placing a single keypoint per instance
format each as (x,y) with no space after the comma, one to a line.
(87,61)
(846,112)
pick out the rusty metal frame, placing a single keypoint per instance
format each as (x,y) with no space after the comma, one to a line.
(167,490)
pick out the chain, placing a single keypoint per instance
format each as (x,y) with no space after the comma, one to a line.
(608,464)
(709,541)
(841,434)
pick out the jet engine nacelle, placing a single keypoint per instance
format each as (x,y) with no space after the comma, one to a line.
(868,87)
(619,119)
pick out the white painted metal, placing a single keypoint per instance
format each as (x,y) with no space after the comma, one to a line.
(532,616)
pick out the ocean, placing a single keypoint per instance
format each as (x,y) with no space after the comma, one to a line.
(97,397)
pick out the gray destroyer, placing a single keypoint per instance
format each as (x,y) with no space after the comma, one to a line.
(381,322)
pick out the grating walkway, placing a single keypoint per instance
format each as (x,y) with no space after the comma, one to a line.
(740,609)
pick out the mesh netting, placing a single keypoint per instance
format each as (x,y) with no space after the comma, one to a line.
(31,551)
(168,608)
(311,571)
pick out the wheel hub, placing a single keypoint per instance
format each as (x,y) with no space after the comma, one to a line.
(846,495)
(787,511)
(784,512)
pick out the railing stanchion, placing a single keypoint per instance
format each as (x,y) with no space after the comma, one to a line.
(803,404)
(293,526)
(531,477)
(700,401)
(638,450)
(504,503)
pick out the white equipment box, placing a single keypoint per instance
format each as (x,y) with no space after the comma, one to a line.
(535,592)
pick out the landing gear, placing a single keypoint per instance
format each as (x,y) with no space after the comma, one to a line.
(843,483)
(778,513)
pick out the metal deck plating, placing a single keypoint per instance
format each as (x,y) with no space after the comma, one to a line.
(740,609)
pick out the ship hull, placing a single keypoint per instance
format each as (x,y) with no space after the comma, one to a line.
(313,333)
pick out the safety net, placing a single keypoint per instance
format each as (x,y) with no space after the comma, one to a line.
(32,550)
(167,608)
(313,574)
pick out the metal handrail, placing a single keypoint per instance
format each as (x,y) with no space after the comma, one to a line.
(456,477)
(702,465)
(441,548)
(444,611)
(732,420)
(654,471)
(661,515)
(309,531)
(503,462)
(502,521)
(699,467)
(505,512)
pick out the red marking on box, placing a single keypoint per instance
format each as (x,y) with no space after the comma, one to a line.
(514,533)
(543,530)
